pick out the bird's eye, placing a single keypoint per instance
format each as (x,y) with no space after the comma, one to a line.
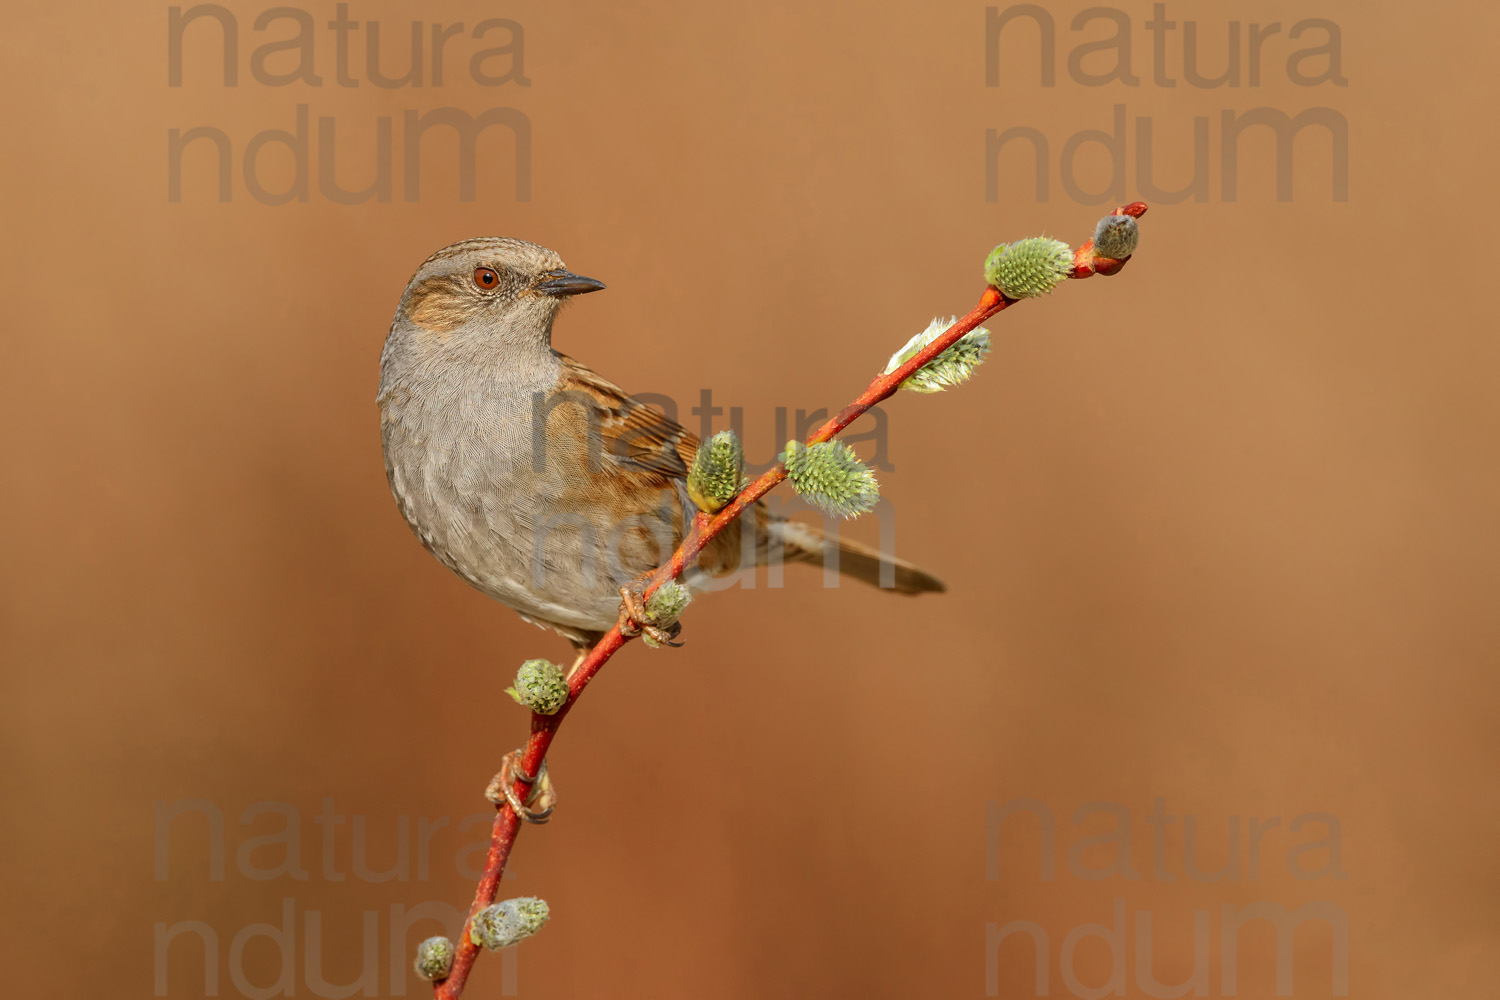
(486,278)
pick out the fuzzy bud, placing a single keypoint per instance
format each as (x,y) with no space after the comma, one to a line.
(831,477)
(511,922)
(665,607)
(668,603)
(718,472)
(1029,267)
(951,367)
(1116,237)
(434,958)
(540,686)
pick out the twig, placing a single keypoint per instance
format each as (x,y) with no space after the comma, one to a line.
(703,530)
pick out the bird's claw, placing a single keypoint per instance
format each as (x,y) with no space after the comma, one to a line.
(636,620)
(501,789)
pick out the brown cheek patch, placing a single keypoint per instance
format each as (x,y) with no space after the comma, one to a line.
(438,306)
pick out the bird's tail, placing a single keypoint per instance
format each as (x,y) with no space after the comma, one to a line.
(806,543)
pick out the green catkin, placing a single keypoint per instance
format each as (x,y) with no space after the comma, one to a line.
(718,472)
(434,958)
(952,366)
(540,686)
(1030,267)
(504,924)
(831,477)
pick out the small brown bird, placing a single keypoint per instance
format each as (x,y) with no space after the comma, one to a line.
(537,481)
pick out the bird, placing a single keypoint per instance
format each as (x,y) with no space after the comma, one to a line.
(534,479)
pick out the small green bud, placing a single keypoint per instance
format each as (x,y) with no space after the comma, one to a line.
(1116,237)
(951,367)
(668,603)
(718,472)
(508,923)
(434,958)
(831,477)
(1029,267)
(540,686)
(665,607)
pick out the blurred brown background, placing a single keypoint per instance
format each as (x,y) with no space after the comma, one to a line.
(1219,531)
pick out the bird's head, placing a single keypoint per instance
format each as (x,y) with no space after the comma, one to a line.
(492,288)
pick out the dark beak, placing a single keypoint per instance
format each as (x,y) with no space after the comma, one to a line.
(566,283)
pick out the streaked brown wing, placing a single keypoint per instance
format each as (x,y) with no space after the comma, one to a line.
(645,450)
(635,434)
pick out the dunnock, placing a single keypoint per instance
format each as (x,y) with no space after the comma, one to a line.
(537,481)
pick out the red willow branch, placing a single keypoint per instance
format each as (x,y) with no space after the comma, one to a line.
(703,530)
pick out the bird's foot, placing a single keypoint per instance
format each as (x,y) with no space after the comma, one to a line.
(580,653)
(501,789)
(636,620)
